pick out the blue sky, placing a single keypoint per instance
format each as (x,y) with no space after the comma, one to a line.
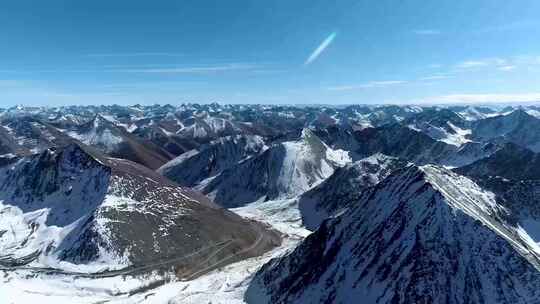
(281,51)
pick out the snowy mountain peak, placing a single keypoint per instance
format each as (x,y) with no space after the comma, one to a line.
(519,114)
(284,170)
(423,235)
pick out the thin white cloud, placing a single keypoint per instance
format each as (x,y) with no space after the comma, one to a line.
(435,77)
(485,62)
(507,68)
(497,63)
(427,32)
(192,70)
(481,98)
(318,51)
(472,64)
(145,85)
(371,84)
(164,69)
(142,54)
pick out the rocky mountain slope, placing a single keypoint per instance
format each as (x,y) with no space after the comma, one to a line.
(74,209)
(510,162)
(116,142)
(344,187)
(424,235)
(513,174)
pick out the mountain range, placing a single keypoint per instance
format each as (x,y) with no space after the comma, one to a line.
(271,203)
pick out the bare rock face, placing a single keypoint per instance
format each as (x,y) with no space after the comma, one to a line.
(72,208)
(423,235)
(344,187)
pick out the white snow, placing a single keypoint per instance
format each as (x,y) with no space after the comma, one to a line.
(104,138)
(458,138)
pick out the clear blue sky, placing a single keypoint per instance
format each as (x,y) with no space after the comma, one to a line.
(281,51)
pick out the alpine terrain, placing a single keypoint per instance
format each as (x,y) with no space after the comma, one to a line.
(214,203)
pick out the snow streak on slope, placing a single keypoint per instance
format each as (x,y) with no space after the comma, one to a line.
(283,171)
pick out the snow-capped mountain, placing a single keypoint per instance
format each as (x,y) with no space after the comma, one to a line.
(74,209)
(117,142)
(441,124)
(211,159)
(284,170)
(344,187)
(160,136)
(152,135)
(400,141)
(472,113)
(406,143)
(423,235)
(517,127)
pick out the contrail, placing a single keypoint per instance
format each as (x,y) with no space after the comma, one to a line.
(326,42)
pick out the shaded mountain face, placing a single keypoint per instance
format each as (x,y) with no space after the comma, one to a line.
(415,146)
(340,138)
(282,171)
(517,127)
(511,162)
(74,209)
(513,174)
(400,141)
(344,187)
(29,134)
(9,146)
(211,159)
(423,235)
